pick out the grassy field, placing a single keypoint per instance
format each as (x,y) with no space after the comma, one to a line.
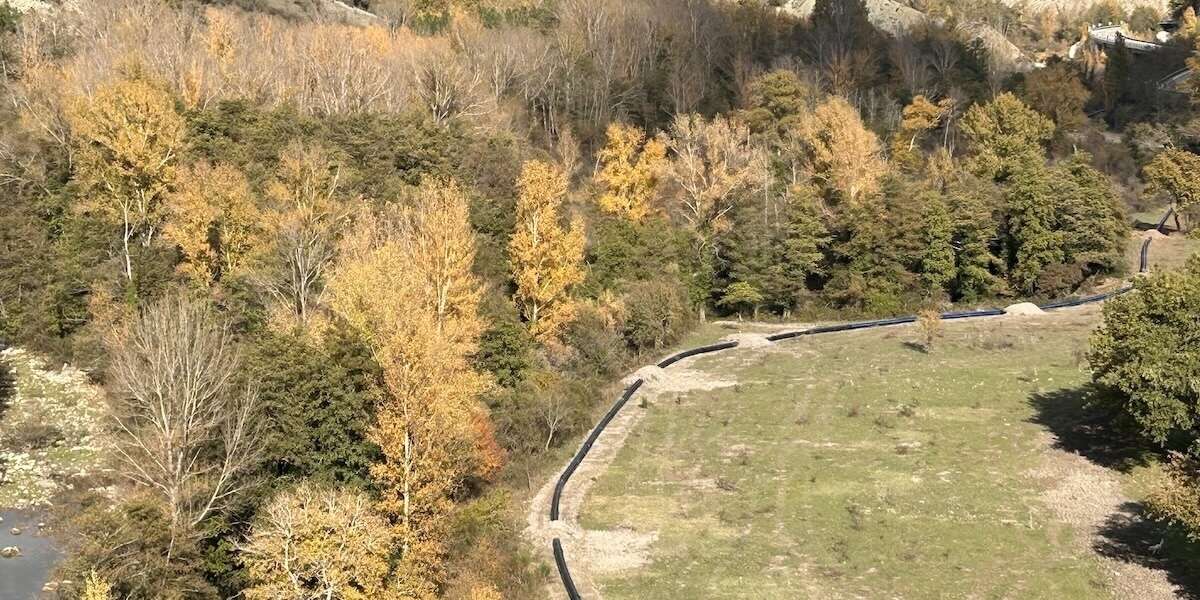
(857,465)
(1165,253)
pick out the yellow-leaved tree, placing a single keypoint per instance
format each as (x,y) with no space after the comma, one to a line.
(838,150)
(546,258)
(310,542)
(631,167)
(127,138)
(404,281)
(213,219)
(920,116)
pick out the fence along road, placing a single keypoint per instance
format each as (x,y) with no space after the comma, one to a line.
(560,560)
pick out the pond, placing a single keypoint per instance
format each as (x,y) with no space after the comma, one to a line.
(22,577)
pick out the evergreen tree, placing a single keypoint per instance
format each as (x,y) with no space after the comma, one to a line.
(1092,217)
(1035,242)
(1005,137)
(800,249)
(1117,73)
(972,206)
(318,398)
(937,261)
(774,101)
(880,251)
(747,251)
(1147,352)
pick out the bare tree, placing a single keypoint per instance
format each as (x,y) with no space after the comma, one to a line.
(553,408)
(912,64)
(944,56)
(445,85)
(307,220)
(184,430)
(714,163)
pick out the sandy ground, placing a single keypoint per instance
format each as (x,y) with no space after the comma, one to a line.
(1087,496)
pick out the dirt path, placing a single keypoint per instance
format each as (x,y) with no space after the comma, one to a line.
(597,552)
(1089,497)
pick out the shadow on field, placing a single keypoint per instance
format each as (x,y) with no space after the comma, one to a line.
(1089,428)
(1129,536)
(1085,425)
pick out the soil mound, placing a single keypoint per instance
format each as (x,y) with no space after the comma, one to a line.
(1024,308)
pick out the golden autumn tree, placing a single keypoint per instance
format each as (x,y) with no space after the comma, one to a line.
(96,587)
(630,170)
(128,136)
(310,542)
(839,151)
(547,259)
(213,219)
(404,280)
(920,116)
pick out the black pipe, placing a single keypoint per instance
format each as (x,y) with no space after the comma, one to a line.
(670,360)
(561,561)
(563,572)
(587,446)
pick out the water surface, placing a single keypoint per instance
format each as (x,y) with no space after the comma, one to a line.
(22,577)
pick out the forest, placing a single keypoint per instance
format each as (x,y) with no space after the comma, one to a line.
(350,284)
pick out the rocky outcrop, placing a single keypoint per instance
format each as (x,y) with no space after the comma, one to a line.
(893,17)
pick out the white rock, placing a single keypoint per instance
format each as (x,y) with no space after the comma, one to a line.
(1024,308)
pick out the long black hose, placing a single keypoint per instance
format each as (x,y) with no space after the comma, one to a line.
(560,559)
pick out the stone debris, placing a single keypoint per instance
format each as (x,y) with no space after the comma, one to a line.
(1024,308)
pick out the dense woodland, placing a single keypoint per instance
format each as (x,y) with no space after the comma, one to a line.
(352,287)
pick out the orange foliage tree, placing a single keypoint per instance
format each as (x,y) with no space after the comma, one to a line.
(630,172)
(404,281)
(213,219)
(547,259)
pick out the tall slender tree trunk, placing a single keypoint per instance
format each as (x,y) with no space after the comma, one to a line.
(128,233)
(407,488)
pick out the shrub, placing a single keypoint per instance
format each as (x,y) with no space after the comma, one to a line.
(656,314)
(929,327)
(1147,354)
(542,411)
(7,386)
(505,351)
(1177,499)
(597,348)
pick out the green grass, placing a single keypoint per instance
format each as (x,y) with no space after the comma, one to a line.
(855,465)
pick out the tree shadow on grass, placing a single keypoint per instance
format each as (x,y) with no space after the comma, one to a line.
(1084,425)
(1130,536)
